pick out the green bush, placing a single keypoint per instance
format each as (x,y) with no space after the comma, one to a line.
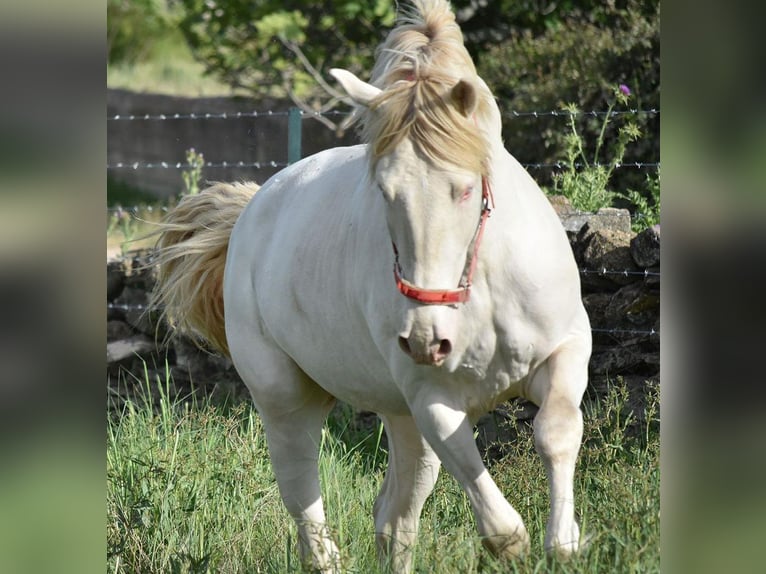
(578,57)
(133,27)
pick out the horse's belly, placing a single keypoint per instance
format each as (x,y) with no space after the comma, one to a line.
(337,354)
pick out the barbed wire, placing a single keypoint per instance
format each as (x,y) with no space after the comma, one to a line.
(602,271)
(569,113)
(195,116)
(579,165)
(624,273)
(650,333)
(136,165)
(277,113)
(134,210)
(184,165)
(139,307)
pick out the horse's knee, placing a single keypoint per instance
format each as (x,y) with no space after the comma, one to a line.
(558,430)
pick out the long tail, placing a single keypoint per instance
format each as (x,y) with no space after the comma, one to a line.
(191,254)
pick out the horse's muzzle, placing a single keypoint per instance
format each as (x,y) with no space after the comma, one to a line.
(433,353)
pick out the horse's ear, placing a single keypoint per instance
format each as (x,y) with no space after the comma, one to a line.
(464,97)
(361,92)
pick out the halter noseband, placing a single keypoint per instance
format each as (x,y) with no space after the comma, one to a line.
(463,292)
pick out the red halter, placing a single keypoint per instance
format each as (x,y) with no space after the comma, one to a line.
(463,292)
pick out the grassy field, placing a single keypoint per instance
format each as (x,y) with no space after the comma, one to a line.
(190,489)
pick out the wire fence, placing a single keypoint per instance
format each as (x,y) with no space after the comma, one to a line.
(330,113)
(185,165)
(273,163)
(600,331)
(294,135)
(294,130)
(136,210)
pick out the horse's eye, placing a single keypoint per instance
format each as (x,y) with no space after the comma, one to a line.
(467,192)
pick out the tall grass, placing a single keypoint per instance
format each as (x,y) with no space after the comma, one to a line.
(190,489)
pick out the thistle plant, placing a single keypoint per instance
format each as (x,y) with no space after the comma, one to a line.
(123,220)
(584,181)
(192,175)
(647,204)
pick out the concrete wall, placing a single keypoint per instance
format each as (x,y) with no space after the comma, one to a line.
(261,139)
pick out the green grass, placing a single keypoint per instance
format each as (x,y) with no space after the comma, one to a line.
(190,489)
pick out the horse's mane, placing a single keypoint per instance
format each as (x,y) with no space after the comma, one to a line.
(417,66)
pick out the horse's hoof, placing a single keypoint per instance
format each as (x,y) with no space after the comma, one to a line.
(564,552)
(508,547)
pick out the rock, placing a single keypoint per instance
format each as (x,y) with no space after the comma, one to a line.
(612,218)
(135,302)
(561,205)
(139,271)
(652,278)
(605,218)
(645,247)
(605,257)
(116,330)
(128,348)
(596,304)
(115,278)
(633,307)
(615,360)
(203,366)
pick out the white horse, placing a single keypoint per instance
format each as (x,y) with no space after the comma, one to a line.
(477,310)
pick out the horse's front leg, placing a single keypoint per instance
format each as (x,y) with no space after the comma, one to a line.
(413,468)
(448,430)
(558,388)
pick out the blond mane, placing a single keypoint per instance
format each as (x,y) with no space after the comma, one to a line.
(417,66)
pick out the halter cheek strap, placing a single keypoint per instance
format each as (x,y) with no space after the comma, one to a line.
(463,293)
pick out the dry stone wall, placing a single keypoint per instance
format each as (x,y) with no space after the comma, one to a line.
(620,290)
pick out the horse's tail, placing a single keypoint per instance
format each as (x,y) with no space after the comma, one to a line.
(191,255)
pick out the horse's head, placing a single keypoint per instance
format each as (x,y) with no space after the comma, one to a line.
(430,124)
(429,162)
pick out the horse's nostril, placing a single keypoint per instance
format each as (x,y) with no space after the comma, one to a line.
(445,347)
(404,345)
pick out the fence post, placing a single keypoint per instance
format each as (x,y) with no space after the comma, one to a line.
(293,135)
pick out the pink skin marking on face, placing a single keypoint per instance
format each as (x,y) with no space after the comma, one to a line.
(466,194)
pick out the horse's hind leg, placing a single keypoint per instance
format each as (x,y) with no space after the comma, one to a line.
(558,388)
(293,409)
(413,468)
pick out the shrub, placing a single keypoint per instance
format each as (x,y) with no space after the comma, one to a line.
(133,27)
(579,57)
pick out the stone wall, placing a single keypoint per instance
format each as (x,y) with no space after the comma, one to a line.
(620,289)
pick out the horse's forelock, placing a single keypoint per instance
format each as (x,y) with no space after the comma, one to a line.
(417,66)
